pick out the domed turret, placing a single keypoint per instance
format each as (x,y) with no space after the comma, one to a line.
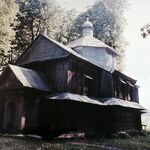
(87,28)
(93,49)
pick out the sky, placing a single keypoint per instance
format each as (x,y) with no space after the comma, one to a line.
(137,63)
(138,51)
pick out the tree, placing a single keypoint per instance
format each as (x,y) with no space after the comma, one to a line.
(145,30)
(33,18)
(8,10)
(64,34)
(107,18)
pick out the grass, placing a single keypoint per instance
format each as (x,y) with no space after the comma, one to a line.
(22,143)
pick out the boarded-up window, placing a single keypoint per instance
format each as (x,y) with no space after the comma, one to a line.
(106,84)
(135,94)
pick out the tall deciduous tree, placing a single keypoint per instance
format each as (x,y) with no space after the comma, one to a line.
(8,10)
(34,17)
(108,19)
(64,34)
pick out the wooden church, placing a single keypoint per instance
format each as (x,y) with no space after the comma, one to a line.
(53,89)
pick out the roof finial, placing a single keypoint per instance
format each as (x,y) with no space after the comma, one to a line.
(87,18)
(87,27)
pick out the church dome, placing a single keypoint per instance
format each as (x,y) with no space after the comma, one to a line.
(93,49)
(87,28)
(87,23)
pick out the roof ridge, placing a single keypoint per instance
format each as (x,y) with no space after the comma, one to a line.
(67,49)
(91,42)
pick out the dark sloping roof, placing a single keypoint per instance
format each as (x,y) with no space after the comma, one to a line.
(42,49)
(102,101)
(29,78)
(92,42)
(125,77)
(63,47)
(74,97)
(74,53)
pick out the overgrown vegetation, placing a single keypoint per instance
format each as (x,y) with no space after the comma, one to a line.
(22,20)
(131,143)
(34,17)
(8,10)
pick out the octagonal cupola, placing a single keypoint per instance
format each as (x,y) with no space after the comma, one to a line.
(87,28)
(93,49)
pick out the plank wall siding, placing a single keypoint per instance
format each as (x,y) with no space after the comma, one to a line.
(55,73)
(101,80)
(11,109)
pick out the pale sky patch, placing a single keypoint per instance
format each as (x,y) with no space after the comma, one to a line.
(138,51)
(79,5)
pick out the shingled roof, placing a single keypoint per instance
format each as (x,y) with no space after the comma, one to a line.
(74,97)
(101,101)
(67,51)
(91,42)
(29,78)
